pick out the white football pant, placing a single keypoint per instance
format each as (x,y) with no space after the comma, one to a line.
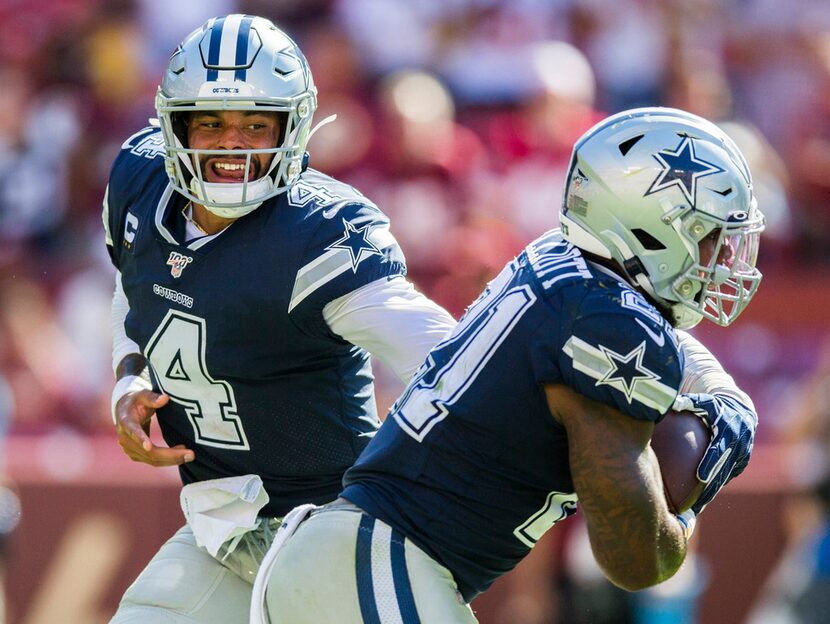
(184,584)
(342,566)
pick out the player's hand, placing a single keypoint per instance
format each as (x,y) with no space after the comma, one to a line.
(133,413)
(733,431)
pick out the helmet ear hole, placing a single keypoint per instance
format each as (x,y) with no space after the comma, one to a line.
(647,240)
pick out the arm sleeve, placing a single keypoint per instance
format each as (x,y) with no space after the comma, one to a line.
(392,321)
(703,373)
(121,344)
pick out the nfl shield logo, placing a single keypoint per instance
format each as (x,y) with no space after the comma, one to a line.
(177,262)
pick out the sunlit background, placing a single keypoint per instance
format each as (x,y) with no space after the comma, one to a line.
(457,118)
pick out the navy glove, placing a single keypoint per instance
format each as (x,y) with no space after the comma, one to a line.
(733,427)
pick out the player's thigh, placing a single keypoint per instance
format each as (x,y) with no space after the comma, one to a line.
(344,567)
(312,579)
(435,592)
(184,584)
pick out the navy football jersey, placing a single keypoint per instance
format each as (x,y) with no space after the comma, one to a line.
(232,324)
(471,465)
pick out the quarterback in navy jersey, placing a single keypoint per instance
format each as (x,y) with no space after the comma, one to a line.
(250,292)
(543,399)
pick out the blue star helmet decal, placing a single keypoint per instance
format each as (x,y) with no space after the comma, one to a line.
(626,370)
(356,242)
(682,168)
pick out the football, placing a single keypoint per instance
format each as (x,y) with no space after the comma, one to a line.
(679,442)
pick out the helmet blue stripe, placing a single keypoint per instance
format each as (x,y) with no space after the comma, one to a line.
(242,47)
(213,51)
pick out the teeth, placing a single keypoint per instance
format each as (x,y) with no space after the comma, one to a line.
(230,166)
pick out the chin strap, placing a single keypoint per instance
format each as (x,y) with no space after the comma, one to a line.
(228,194)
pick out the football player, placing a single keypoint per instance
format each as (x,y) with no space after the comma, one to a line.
(250,291)
(545,395)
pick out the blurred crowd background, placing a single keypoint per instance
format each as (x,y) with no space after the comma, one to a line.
(457,117)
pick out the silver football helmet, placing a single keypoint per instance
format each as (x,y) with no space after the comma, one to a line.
(236,62)
(645,188)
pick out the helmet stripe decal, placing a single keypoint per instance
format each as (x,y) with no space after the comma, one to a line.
(213,51)
(242,48)
(227,48)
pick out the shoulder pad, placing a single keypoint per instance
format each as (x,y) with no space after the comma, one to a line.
(350,248)
(619,355)
(146,143)
(316,191)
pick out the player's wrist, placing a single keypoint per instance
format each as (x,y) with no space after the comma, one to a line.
(125,385)
(687,521)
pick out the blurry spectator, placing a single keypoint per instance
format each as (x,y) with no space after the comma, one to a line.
(44,369)
(342,147)
(161,25)
(531,141)
(370,24)
(81,310)
(482,51)
(626,44)
(808,151)
(798,591)
(9,502)
(38,134)
(119,94)
(470,254)
(419,128)
(768,49)
(424,161)
(699,84)
(556,105)
(9,518)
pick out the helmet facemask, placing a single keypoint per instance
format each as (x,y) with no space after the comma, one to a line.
(719,286)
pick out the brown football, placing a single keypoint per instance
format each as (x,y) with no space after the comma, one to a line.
(679,442)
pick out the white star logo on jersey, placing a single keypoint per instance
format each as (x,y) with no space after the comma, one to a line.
(624,373)
(356,242)
(626,370)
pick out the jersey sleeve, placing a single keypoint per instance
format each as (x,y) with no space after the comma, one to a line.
(618,355)
(392,321)
(347,252)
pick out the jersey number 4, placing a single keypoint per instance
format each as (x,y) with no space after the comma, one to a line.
(177,354)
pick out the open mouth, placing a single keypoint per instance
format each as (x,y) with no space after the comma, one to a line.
(229,170)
